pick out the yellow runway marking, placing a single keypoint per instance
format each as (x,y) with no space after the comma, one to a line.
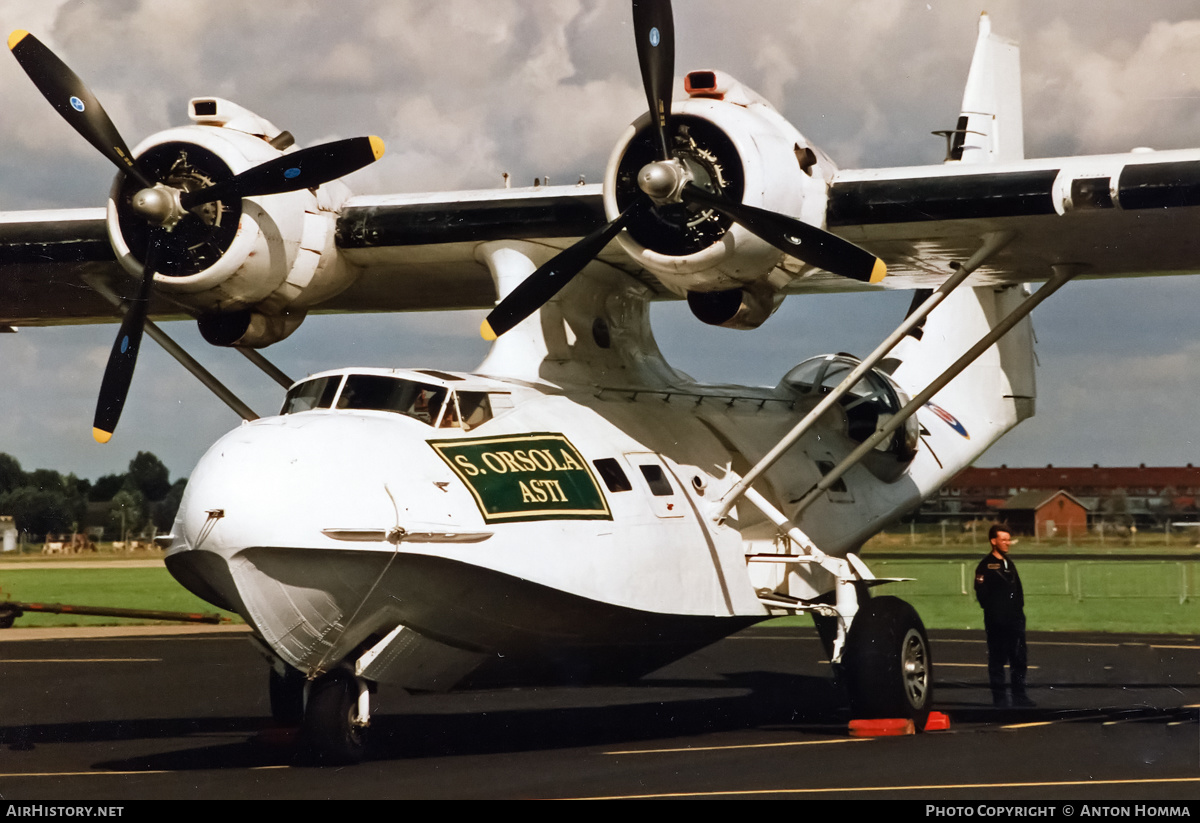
(1030,725)
(1192,648)
(14,775)
(970,665)
(982,641)
(921,788)
(744,746)
(81,660)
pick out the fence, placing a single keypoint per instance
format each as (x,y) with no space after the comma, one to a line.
(1107,594)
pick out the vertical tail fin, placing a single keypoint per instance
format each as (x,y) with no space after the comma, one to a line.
(991,128)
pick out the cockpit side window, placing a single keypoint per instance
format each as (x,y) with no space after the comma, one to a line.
(311,394)
(474,407)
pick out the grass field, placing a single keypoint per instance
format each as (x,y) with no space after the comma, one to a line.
(130,588)
(1146,585)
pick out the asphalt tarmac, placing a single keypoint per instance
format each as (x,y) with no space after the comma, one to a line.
(756,715)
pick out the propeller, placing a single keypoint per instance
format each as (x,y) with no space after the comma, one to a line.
(672,180)
(164,206)
(118,374)
(72,99)
(303,169)
(537,289)
(654,29)
(805,241)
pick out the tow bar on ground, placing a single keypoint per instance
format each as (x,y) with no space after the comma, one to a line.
(11,610)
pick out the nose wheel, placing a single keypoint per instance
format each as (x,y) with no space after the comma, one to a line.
(336,716)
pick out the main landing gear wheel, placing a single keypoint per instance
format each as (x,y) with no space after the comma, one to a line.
(332,732)
(889,669)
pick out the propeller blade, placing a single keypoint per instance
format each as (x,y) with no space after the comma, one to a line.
(118,374)
(72,99)
(804,241)
(537,289)
(304,169)
(654,28)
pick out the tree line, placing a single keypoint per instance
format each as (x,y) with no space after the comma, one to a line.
(44,501)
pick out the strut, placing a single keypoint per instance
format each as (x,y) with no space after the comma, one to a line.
(993,242)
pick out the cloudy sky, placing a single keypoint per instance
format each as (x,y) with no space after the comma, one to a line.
(463,91)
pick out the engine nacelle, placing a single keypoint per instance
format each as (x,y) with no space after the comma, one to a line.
(747,150)
(746,308)
(260,261)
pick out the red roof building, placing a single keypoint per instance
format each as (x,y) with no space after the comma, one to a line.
(1143,494)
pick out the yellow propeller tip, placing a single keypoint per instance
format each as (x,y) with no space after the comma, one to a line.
(101,436)
(376,146)
(879,271)
(485,330)
(16,37)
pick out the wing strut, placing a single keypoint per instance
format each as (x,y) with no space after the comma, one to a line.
(269,369)
(992,243)
(1062,275)
(175,350)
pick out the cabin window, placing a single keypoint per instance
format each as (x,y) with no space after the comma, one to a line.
(612,474)
(657,480)
(825,468)
(311,394)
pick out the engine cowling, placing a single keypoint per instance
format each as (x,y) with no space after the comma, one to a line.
(733,142)
(255,264)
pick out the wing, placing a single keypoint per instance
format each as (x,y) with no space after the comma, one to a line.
(404,253)
(1114,216)
(44,257)
(421,252)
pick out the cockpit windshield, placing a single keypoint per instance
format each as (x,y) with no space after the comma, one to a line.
(380,393)
(433,405)
(317,393)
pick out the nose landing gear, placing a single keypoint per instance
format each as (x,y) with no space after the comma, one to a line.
(336,717)
(332,712)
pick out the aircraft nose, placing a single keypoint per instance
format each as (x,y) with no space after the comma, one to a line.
(281,481)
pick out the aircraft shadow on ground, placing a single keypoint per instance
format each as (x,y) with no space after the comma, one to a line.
(669,709)
(552,719)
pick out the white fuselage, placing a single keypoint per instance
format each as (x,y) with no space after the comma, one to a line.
(326,527)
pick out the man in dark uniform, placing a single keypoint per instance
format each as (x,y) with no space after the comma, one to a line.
(998,590)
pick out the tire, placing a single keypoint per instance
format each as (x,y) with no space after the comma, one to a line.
(287,697)
(889,668)
(329,729)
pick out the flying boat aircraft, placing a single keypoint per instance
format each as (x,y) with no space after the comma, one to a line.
(576,508)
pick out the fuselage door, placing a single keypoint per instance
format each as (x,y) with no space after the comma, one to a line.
(657,484)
